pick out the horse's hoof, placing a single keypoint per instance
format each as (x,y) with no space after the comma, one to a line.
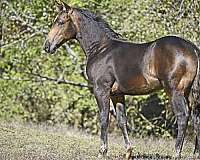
(102,154)
(178,156)
(196,155)
(128,153)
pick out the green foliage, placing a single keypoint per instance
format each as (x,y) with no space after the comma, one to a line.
(29,78)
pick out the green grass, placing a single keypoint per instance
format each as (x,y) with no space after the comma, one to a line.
(41,142)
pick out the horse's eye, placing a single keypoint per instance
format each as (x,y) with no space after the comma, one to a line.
(60,22)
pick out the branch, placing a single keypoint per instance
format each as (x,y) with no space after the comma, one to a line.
(96,3)
(25,23)
(71,52)
(61,81)
(180,12)
(20,18)
(4,129)
(45,79)
(17,41)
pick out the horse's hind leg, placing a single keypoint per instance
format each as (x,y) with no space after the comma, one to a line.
(196,123)
(180,108)
(119,104)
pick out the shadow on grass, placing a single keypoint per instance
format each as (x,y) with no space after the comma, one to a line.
(151,156)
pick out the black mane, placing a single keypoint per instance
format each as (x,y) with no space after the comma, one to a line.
(102,23)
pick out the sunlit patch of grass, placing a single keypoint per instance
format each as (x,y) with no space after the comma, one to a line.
(41,142)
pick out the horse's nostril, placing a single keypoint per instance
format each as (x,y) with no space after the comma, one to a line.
(47,46)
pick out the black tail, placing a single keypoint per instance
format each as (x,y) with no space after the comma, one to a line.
(195,102)
(195,88)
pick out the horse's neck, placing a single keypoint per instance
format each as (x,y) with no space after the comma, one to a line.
(93,43)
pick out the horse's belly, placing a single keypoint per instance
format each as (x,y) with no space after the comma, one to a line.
(138,85)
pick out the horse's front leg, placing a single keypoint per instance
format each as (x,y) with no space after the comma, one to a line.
(102,97)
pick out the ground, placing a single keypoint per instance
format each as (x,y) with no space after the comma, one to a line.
(19,141)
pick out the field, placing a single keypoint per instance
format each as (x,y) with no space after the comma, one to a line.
(19,141)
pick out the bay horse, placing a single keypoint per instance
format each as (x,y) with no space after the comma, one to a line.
(117,68)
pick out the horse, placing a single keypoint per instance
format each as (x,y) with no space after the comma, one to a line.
(117,67)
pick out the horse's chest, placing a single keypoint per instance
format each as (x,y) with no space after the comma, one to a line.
(99,68)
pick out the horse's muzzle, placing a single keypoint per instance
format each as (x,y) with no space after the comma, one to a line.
(48,47)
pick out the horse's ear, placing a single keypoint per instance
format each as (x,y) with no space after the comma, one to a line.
(59,6)
(62,6)
(66,7)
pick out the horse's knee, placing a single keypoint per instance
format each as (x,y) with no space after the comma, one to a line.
(183,117)
(122,124)
(103,120)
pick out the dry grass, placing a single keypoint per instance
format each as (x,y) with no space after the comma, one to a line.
(32,142)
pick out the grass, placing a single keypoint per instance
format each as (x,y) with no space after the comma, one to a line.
(41,142)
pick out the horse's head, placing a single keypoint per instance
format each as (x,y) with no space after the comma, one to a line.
(62,30)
